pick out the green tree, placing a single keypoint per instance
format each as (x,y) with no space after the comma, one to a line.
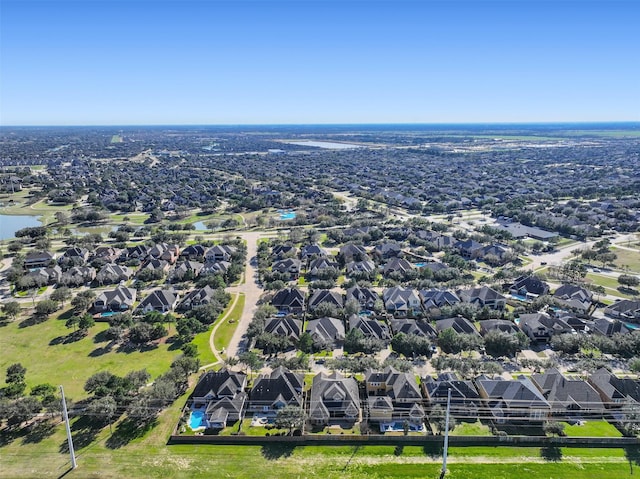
(46,307)
(61,294)
(289,417)
(83,300)
(11,309)
(554,428)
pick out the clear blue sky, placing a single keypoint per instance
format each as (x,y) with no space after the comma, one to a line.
(305,61)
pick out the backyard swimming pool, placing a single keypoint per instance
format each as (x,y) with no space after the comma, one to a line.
(287,215)
(195,420)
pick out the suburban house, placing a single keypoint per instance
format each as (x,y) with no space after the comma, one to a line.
(365,297)
(74,256)
(625,309)
(529,287)
(219,252)
(483,296)
(289,300)
(193,252)
(312,251)
(502,325)
(186,269)
(221,394)
(77,275)
(219,267)
(468,249)
(437,298)
(327,333)
(459,324)
(369,327)
(272,392)
(541,326)
(318,265)
(413,326)
(609,327)
(138,252)
(153,264)
(282,251)
(113,273)
(160,300)
(401,301)
(572,397)
(465,399)
(615,392)
(499,251)
(38,259)
(352,252)
(393,396)
(356,267)
(287,327)
(575,297)
(165,252)
(197,297)
(513,401)
(119,299)
(108,254)
(397,265)
(387,250)
(288,266)
(325,296)
(334,399)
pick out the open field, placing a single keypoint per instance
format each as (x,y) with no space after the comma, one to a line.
(42,349)
(610,284)
(627,259)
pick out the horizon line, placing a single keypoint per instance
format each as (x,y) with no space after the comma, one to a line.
(455,123)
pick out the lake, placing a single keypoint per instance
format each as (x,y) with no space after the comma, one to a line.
(9,224)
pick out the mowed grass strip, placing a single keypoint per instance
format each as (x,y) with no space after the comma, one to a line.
(201,340)
(225,331)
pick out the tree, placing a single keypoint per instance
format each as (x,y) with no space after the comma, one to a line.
(305,343)
(102,410)
(11,309)
(498,343)
(351,307)
(628,280)
(61,294)
(411,345)
(85,323)
(554,428)
(438,418)
(83,300)
(16,373)
(289,417)
(46,307)
(24,409)
(72,322)
(251,360)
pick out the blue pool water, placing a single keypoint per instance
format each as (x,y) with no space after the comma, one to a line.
(365,313)
(420,265)
(632,326)
(106,314)
(287,215)
(519,297)
(195,420)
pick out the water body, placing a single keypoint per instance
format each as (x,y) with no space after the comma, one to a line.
(325,144)
(9,224)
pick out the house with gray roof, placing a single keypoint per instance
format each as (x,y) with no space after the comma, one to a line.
(38,259)
(271,392)
(289,266)
(615,392)
(369,327)
(219,252)
(325,296)
(161,300)
(327,333)
(393,396)
(287,327)
(321,264)
(366,297)
(221,395)
(541,326)
(397,265)
(465,399)
(483,296)
(353,252)
(609,327)
(118,300)
(359,267)
(437,298)
(568,396)
(401,301)
(516,401)
(575,297)
(197,297)
(289,300)
(625,309)
(529,286)
(334,399)
(459,324)
(113,273)
(413,326)
(501,325)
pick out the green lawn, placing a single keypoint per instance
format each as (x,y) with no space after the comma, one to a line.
(592,429)
(471,429)
(610,284)
(225,331)
(40,348)
(626,258)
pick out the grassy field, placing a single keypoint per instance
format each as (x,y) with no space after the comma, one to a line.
(43,350)
(592,429)
(471,429)
(610,284)
(626,258)
(225,331)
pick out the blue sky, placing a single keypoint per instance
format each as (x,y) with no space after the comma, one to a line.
(305,61)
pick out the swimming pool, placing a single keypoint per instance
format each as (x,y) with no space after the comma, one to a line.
(519,297)
(289,215)
(106,314)
(420,265)
(195,420)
